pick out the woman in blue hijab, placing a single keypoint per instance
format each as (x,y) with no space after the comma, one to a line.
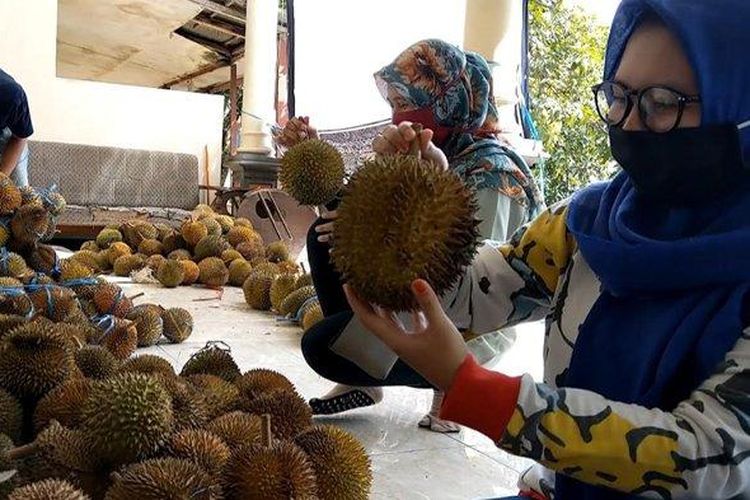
(644,281)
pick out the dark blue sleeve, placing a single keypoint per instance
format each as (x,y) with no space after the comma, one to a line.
(19,121)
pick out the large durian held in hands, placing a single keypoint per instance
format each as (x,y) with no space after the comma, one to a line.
(312,172)
(403,218)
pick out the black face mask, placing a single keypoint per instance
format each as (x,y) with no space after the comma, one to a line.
(683,167)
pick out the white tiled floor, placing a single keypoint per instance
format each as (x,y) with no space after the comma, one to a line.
(408,463)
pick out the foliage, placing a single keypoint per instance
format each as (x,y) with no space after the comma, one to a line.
(566,57)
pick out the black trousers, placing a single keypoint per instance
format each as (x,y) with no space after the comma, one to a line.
(317,340)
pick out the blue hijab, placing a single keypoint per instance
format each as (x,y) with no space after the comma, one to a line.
(674,281)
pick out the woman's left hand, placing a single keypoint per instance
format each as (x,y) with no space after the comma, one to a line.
(433,347)
(398,139)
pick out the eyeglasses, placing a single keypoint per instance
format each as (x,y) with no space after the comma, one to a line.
(660,108)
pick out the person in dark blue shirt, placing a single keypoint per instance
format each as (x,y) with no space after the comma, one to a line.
(15,128)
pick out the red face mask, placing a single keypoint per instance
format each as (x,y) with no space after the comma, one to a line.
(425,118)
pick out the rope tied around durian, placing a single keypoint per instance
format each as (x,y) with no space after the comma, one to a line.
(105,323)
(47,290)
(17,291)
(119,297)
(300,312)
(4,261)
(212,344)
(80,282)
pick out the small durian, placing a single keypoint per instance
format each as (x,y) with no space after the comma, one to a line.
(14,302)
(54,302)
(96,362)
(55,203)
(117,250)
(342,467)
(191,272)
(288,267)
(282,286)
(236,429)
(213,272)
(148,364)
(106,237)
(148,323)
(230,255)
(203,448)
(6,282)
(111,299)
(29,224)
(213,359)
(312,315)
(193,232)
(260,381)
(213,227)
(241,221)
(63,404)
(180,254)
(127,418)
(242,234)
(102,260)
(164,231)
(11,416)
(172,242)
(312,172)
(428,208)
(162,478)
(290,413)
(277,252)
(155,261)
(257,288)
(178,324)
(189,406)
(226,222)
(291,305)
(150,247)
(90,246)
(210,246)
(127,264)
(202,209)
(119,337)
(251,250)
(12,265)
(10,195)
(85,257)
(239,270)
(48,489)
(134,232)
(71,269)
(171,273)
(30,196)
(220,396)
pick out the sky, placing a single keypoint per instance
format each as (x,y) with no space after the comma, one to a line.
(604,10)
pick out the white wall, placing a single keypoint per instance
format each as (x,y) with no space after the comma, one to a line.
(102,114)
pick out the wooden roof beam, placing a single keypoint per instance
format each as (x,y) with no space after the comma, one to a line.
(219,25)
(217,47)
(218,8)
(194,74)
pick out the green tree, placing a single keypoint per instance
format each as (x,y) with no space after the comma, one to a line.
(566,57)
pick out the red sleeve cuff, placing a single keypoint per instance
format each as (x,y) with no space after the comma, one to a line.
(481,399)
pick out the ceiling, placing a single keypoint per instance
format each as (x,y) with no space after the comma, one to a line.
(179,44)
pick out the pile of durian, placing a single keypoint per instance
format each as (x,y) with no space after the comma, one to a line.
(212,250)
(80,424)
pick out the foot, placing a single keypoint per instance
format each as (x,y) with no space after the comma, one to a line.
(433,422)
(344,398)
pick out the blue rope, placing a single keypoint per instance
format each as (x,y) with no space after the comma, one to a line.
(298,314)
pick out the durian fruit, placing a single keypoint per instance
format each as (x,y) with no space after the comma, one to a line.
(251,250)
(102,260)
(219,395)
(4,234)
(74,270)
(127,418)
(12,265)
(290,413)
(10,195)
(213,359)
(288,267)
(203,448)
(63,404)
(269,471)
(11,416)
(210,246)
(213,227)
(162,478)
(239,270)
(236,429)
(45,355)
(295,300)
(119,337)
(150,247)
(29,224)
(189,406)
(312,315)
(180,254)
(148,364)
(172,242)
(148,324)
(90,246)
(75,330)
(155,261)
(14,302)
(226,222)
(55,203)
(312,172)
(282,286)
(106,237)
(277,252)
(111,299)
(54,302)
(213,272)
(171,273)
(260,381)
(230,255)
(243,222)
(427,229)
(341,464)
(257,288)
(48,489)
(136,231)
(8,322)
(164,230)
(191,272)
(117,250)
(96,362)
(203,209)
(30,196)
(6,282)
(51,229)
(193,232)
(85,257)
(38,279)
(241,234)
(178,324)
(126,264)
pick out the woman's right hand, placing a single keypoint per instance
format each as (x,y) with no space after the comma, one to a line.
(398,138)
(296,130)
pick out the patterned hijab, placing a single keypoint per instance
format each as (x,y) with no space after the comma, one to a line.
(450,91)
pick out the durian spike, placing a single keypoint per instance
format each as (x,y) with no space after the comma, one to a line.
(415,148)
(266,436)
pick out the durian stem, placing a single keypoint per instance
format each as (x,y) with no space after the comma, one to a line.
(24,451)
(415,148)
(265,431)
(137,295)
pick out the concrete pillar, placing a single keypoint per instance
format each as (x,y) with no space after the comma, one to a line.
(259,84)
